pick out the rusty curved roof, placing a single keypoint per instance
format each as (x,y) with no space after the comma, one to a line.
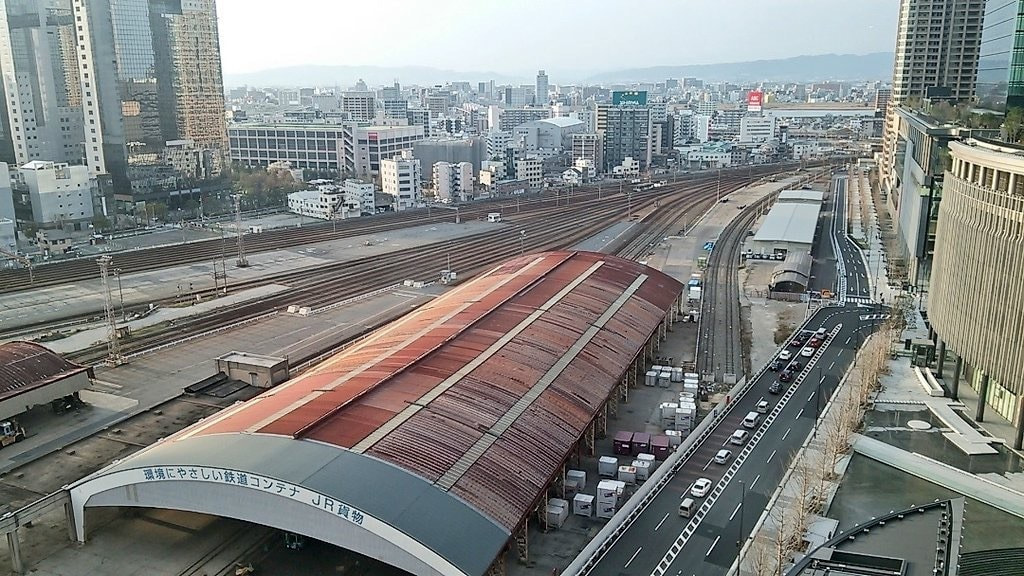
(25,366)
(482,393)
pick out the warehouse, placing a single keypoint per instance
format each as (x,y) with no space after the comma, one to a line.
(32,375)
(429,444)
(790,225)
(791,275)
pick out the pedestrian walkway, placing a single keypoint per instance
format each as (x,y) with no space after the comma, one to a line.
(995,495)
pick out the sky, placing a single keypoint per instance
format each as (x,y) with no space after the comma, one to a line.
(570,36)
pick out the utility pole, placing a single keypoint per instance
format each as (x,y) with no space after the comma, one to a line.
(718,189)
(120,294)
(242,262)
(114,357)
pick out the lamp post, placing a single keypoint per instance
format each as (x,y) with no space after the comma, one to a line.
(120,294)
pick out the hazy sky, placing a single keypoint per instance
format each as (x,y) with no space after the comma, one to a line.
(520,36)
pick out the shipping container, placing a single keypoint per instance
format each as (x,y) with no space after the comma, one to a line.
(623,443)
(641,442)
(627,474)
(607,466)
(583,505)
(661,446)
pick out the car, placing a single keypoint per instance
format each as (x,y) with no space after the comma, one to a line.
(739,437)
(807,352)
(723,456)
(786,376)
(700,488)
(785,355)
(796,343)
(775,365)
(764,406)
(815,342)
(775,388)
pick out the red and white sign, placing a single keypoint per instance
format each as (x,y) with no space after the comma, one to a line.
(754,100)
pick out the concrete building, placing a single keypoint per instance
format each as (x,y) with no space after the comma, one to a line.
(8,241)
(359,197)
(512,117)
(497,142)
(542,88)
(700,128)
(360,106)
(323,202)
(629,168)
(548,137)
(306,146)
(757,129)
(453,182)
(587,146)
(401,178)
(949,33)
(152,78)
(516,97)
(790,225)
(625,129)
(430,151)
(6,193)
(975,304)
(43,94)
(530,170)
(372,144)
(419,117)
(59,193)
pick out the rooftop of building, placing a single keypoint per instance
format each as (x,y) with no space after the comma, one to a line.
(26,366)
(789,222)
(801,196)
(563,121)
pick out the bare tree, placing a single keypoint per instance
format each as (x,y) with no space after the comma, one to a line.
(782,540)
(759,559)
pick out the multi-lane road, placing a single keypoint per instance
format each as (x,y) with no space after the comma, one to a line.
(661,542)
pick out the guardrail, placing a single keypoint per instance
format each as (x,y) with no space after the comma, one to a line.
(353,299)
(592,554)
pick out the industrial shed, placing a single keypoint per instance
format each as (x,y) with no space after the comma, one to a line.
(429,444)
(791,275)
(790,225)
(33,375)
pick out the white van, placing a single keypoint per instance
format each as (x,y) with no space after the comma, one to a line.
(751,420)
(821,332)
(739,437)
(686,507)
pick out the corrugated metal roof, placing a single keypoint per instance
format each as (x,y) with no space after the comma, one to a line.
(25,366)
(484,391)
(789,222)
(809,196)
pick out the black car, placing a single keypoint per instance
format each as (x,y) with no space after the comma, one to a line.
(775,365)
(775,388)
(786,376)
(795,366)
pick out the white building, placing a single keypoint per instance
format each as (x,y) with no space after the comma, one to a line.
(497,142)
(630,168)
(587,167)
(360,106)
(8,240)
(711,158)
(453,181)
(700,128)
(547,137)
(512,117)
(805,149)
(6,193)
(375,143)
(757,129)
(531,170)
(587,146)
(400,177)
(59,193)
(359,197)
(321,203)
(573,176)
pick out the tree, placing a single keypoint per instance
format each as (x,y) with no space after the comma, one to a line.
(100,223)
(1013,124)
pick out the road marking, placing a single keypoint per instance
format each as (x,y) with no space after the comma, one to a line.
(811,397)
(717,538)
(832,365)
(687,491)
(788,430)
(633,557)
(798,414)
(733,515)
(848,339)
(662,522)
(708,464)
(756,478)
(770,456)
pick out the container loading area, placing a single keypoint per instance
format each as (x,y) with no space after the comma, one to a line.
(434,443)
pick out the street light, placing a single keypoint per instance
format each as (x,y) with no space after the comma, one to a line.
(120,294)
(522,242)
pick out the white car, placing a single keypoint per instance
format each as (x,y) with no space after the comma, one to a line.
(723,456)
(807,352)
(785,355)
(700,488)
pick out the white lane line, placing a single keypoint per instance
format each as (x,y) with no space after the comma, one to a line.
(756,478)
(848,339)
(832,365)
(633,557)
(706,465)
(733,515)
(687,491)
(717,538)
(662,522)
(811,397)
(799,414)
(788,430)
(770,456)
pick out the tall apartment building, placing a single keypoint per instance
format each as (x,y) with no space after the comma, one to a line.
(542,87)
(400,177)
(625,127)
(150,74)
(882,96)
(937,44)
(530,170)
(1000,83)
(360,106)
(512,117)
(587,146)
(42,92)
(453,181)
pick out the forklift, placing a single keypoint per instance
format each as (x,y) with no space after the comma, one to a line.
(11,432)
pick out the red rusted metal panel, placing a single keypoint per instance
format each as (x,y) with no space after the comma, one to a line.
(26,366)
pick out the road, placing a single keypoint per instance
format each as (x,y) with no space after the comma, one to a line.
(660,542)
(832,239)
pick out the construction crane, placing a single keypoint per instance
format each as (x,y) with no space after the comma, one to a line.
(24,260)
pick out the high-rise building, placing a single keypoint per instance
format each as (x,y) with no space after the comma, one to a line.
(400,177)
(453,181)
(625,127)
(937,45)
(360,106)
(150,73)
(1000,83)
(587,146)
(542,87)
(42,92)
(882,96)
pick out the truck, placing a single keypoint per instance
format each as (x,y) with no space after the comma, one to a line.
(11,432)
(694,294)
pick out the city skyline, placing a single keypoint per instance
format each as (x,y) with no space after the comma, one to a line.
(574,46)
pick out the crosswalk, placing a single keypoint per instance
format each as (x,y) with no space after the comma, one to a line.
(858,299)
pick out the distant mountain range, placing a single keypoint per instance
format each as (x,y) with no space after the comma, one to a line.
(876,66)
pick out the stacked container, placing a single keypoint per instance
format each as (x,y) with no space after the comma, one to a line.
(667,415)
(665,378)
(641,443)
(572,487)
(608,466)
(675,438)
(686,417)
(583,505)
(651,378)
(642,470)
(557,512)
(608,492)
(623,443)
(627,474)
(677,374)
(579,477)
(649,457)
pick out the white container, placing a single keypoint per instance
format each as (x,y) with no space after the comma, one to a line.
(665,375)
(643,470)
(668,409)
(657,368)
(583,505)
(677,374)
(560,502)
(572,487)
(607,490)
(651,378)
(648,458)
(579,476)
(627,474)
(555,516)
(675,438)
(605,510)
(608,466)
(691,376)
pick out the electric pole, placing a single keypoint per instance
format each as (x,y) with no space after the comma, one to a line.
(114,357)
(242,262)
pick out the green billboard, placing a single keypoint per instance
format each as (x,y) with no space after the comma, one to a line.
(629,97)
